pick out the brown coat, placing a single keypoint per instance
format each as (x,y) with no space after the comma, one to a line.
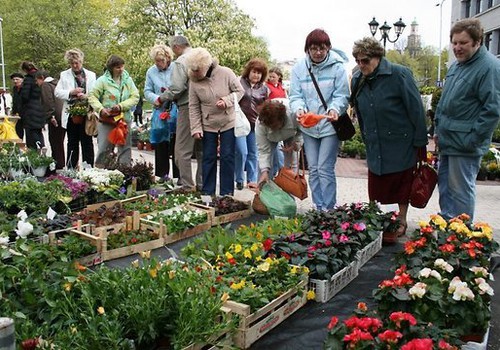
(52,106)
(204,94)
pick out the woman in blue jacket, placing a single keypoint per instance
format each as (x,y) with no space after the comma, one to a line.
(320,141)
(392,123)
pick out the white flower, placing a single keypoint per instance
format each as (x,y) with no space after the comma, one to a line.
(463,292)
(479,271)
(4,240)
(52,166)
(453,284)
(427,272)
(436,275)
(484,287)
(24,229)
(443,265)
(22,215)
(418,290)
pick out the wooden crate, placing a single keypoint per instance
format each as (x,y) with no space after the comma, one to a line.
(84,232)
(104,232)
(226,218)
(254,326)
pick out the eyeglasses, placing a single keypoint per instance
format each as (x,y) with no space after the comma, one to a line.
(318,49)
(363,61)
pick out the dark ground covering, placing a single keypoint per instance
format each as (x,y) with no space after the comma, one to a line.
(306,328)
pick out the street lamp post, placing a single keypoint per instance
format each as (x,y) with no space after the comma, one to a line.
(1,54)
(438,83)
(399,26)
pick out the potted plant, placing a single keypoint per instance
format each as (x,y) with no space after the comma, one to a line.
(492,170)
(39,162)
(13,162)
(78,110)
(143,140)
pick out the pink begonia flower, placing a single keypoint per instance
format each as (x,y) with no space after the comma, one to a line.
(311,248)
(345,225)
(328,243)
(343,238)
(292,237)
(326,234)
(359,226)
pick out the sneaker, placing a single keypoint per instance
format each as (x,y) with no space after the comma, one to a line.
(239,185)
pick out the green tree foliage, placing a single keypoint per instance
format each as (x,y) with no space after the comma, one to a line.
(42,30)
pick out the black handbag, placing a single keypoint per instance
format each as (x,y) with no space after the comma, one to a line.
(343,125)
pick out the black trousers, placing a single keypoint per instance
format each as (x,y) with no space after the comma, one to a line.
(76,136)
(163,152)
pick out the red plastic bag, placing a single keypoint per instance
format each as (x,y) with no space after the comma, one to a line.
(308,120)
(118,136)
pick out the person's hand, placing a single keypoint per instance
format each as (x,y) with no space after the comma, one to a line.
(264,177)
(116,109)
(157,103)
(332,115)
(288,148)
(53,121)
(105,112)
(198,136)
(76,91)
(221,104)
(299,113)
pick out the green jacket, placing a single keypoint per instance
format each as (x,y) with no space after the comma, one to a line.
(469,108)
(391,117)
(107,93)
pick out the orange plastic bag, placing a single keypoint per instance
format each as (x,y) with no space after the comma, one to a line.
(308,120)
(118,136)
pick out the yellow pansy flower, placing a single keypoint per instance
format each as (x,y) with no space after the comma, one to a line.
(67,286)
(100,310)
(153,273)
(255,247)
(224,297)
(258,258)
(229,255)
(171,274)
(146,254)
(238,285)
(294,270)
(258,235)
(238,248)
(135,263)
(311,295)
(247,254)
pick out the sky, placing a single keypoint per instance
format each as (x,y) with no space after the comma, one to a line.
(284,24)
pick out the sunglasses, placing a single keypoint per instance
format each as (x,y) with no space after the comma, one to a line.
(364,60)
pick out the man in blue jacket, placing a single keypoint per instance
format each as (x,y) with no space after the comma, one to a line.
(466,117)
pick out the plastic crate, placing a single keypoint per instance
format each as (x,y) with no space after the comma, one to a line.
(326,289)
(369,251)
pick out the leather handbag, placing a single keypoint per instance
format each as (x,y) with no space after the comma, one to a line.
(258,206)
(344,128)
(292,182)
(91,123)
(424,181)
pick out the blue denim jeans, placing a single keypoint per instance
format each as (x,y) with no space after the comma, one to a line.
(457,185)
(277,158)
(209,164)
(246,158)
(321,156)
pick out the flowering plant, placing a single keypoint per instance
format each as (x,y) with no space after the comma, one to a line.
(102,179)
(76,187)
(12,157)
(329,241)
(180,219)
(78,107)
(158,202)
(38,159)
(400,330)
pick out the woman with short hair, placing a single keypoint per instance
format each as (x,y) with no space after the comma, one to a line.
(253,80)
(74,86)
(113,97)
(212,116)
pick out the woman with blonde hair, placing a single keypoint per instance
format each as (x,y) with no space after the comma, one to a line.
(74,85)
(157,81)
(212,116)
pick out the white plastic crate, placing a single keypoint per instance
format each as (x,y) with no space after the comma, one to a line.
(326,289)
(369,251)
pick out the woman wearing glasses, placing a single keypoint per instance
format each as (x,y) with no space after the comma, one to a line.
(323,67)
(392,122)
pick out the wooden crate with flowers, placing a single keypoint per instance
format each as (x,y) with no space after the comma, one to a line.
(154,202)
(79,243)
(180,223)
(226,209)
(254,325)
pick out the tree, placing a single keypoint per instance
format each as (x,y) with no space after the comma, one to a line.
(42,30)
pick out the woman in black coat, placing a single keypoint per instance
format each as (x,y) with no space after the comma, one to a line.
(31,108)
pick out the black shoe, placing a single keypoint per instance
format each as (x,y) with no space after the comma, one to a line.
(239,185)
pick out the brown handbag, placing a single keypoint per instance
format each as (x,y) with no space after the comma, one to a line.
(293,182)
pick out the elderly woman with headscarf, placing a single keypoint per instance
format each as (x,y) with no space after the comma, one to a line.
(212,116)
(113,97)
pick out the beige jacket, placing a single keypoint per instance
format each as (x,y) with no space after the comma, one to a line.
(204,94)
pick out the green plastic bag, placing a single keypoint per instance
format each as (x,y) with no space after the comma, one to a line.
(278,202)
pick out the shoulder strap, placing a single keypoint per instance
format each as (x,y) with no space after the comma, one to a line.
(317,88)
